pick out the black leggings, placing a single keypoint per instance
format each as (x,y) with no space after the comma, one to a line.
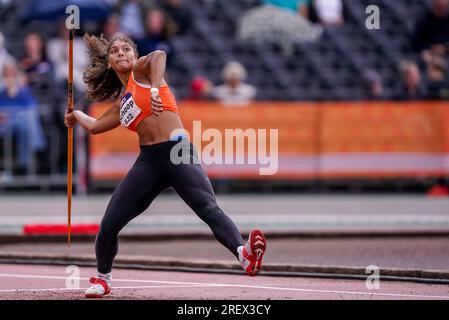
(152,173)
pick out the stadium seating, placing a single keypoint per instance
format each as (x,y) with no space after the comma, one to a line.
(330,69)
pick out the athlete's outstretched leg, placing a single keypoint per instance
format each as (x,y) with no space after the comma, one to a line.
(131,197)
(193,186)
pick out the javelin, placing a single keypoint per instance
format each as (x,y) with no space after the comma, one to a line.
(70,138)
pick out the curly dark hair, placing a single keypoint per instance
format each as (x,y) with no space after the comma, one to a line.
(102,82)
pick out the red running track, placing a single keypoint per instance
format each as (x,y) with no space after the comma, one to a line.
(49,282)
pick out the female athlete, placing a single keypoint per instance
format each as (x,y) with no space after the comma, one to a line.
(144,104)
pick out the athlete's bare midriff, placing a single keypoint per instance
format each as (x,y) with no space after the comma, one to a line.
(156,129)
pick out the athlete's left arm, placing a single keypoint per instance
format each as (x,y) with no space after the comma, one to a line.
(152,67)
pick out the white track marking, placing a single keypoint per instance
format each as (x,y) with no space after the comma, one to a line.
(39,290)
(82,289)
(237,286)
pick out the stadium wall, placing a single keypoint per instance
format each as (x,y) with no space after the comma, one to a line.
(316,141)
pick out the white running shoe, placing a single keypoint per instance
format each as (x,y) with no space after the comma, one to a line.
(98,289)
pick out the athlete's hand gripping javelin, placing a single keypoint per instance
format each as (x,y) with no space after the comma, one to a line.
(70,119)
(156,102)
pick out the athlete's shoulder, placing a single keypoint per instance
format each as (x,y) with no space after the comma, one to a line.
(116,103)
(143,63)
(141,69)
(140,63)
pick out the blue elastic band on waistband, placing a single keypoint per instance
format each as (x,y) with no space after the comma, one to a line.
(178,137)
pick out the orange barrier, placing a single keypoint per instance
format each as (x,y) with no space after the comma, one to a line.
(315,140)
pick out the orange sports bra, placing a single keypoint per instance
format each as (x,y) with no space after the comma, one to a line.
(136,103)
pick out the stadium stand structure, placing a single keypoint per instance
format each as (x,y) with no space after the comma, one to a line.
(330,69)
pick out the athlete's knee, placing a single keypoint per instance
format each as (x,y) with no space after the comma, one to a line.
(210,212)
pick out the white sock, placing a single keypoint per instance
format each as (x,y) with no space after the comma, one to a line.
(240,252)
(105,276)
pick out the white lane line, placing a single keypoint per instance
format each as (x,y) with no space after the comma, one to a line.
(81,289)
(348,292)
(241,286)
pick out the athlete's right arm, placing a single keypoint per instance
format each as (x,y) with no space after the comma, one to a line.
(108,120)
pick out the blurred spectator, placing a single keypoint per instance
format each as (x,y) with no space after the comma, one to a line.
(433,31)
(277,22)
(5,8)
(179,12)
(200,89)
(19,113)
(412,86)
(373,85)
(112,3)
(298,6)
(234,91)
(438,82)
(131,19)
(5,3)
(159,29)
(329,12)
(58,55)
(111,27)
(5,58)
(35,62)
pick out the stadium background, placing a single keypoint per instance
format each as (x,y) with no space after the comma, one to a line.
(363,148)
(357,109)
